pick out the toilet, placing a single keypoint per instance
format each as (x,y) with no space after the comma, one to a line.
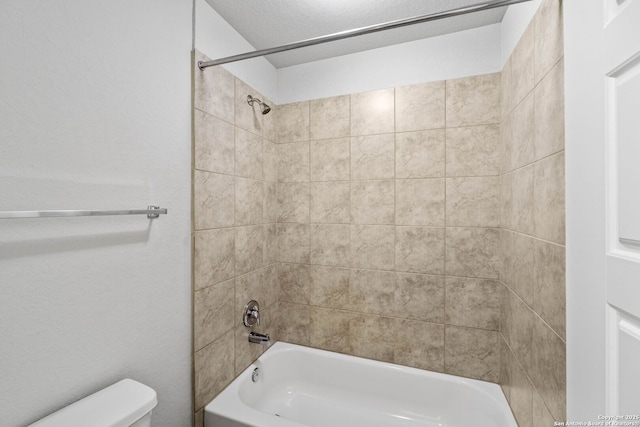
(126,403)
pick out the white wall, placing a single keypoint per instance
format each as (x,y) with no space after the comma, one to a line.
(217,39)
(513,25)
(462,54)
(466,53)
(94,114)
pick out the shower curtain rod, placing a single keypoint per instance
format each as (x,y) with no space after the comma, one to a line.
(362,31)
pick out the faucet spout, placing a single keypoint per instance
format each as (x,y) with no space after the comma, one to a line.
(257,338)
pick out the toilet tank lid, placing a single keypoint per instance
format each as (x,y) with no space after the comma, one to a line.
(118,405)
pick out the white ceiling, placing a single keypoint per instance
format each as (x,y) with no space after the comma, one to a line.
(270,23)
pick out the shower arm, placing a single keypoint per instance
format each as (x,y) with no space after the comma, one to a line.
(362,31)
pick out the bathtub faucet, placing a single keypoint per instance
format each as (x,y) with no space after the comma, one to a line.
(256,338)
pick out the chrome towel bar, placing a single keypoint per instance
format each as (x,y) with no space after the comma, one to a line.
(151,212)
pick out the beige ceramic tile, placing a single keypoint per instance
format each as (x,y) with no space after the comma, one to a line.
(213,200)
(419,249)
(293,202)
(294,280)
(473,252)
(214,143)
(213,313)
(518,264)
(520,338)
(214,257)
(198,420)
(373,292)
(372,112)
(549,290)
(505,362)
(372,157)
(549,113)
(519,134)
(522,65)
(245,352)
(329,329)
(372,246)
(248,155)
(473,201)
(214,370)
(329,287)
(214,90)
(329,117)
(420,202)
(330,160)
(419,345)
(522,196)
(473,151)
(472,353)
(270,251)
(506,315)
(506,204)
(549,47)
(293,162)
(549,369)
(541,415)
(330,244)
(420,106)
(365,326)
(260,285)
(420,154)
(269,161)
(330,202)
(521,396)
(296,327)
(293,122)
(270,203)
(249,247)
(419,297)
(474,303)
(248,201)
(549,211)
(473,100)
(247,117)
(372,202)
(293,243)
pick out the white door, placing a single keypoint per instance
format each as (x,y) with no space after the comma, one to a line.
(602,53)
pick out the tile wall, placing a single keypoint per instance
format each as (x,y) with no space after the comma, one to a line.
(234,230)
(533,236)
(389,225)
(421,225)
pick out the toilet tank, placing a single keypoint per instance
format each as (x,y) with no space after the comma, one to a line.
(126,403)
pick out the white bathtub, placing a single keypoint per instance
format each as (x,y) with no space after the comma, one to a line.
(300,386)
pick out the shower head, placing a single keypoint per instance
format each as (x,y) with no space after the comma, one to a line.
(263,107)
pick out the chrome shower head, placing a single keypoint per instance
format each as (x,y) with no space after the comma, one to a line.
(263,107)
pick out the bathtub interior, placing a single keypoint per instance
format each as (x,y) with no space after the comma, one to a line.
(308,387)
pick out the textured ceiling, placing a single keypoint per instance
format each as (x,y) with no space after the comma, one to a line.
(270,23)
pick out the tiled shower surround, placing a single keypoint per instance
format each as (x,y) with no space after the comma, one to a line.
(533,222)
(388,225)
(421,225)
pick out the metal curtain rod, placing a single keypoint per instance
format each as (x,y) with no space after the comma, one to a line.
(362,31)
(151,212)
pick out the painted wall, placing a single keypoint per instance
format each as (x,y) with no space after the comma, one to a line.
(462,54)
(215,38)
(94,114)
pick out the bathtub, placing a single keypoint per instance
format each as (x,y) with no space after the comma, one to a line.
(301,386)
